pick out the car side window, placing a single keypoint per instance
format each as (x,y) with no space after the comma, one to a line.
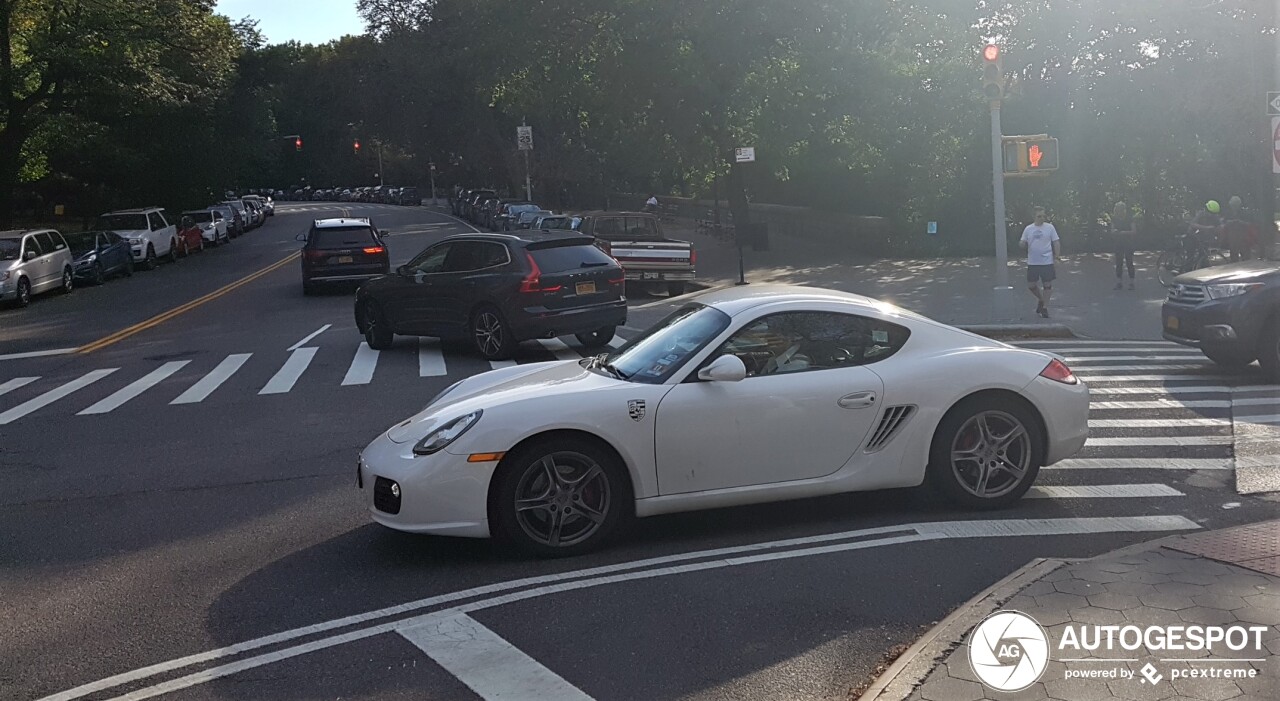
(47,245)
(464,257)
(431,260)
(32,245)
(154,220)
(490,255)
(804,341)
(59,243)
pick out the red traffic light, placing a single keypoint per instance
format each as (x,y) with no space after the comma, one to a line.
(991,53)
(356,145)
(297,143)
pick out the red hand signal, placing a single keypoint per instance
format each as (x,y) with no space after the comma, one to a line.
(1034,154)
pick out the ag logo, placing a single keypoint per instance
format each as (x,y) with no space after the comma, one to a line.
(1008,651)
(635,409)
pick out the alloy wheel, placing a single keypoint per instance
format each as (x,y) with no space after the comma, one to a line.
(489,333)
(562,499)
(991,454)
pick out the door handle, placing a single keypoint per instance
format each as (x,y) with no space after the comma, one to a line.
(857,400)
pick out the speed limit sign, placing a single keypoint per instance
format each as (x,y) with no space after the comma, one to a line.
(524,138)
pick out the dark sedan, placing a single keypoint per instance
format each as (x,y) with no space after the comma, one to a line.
(97,255)
(496,290)
(342,250)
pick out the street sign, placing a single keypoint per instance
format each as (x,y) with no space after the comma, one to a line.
(524,138)
(932,229)
(1275,145)
(1273,103)
(746,154)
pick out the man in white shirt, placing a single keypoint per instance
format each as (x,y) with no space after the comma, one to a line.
(1040,239)
(651,204)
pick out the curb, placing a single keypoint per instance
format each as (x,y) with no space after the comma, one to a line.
(1020,330)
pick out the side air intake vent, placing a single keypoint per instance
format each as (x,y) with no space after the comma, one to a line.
(890,423)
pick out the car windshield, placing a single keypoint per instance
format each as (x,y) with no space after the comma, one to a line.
(343,237)
(199,217)
(83,241)
(10,249)
(655,356)
(564,258)
(122,222)
(569,223)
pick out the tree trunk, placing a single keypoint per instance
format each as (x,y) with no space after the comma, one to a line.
(11,140)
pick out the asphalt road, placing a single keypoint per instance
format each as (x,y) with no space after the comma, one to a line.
(145,532)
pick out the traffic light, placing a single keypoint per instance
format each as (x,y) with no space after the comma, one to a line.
(1042,155)
(356,147)
(297,144)
(1030,154)
(992,72)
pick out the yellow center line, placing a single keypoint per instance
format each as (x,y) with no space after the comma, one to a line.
(183,308)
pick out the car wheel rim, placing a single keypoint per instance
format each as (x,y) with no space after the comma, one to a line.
(991,454)
(66,280)
(24,293)
(488,333)
(562,499)
(371,325)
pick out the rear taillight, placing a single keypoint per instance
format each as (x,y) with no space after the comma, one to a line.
(316,254)
(532,283)
(693,257)
(373,250)
(619,279)
(1058,371)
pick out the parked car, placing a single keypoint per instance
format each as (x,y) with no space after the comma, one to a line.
(342,250)
(1230,312)
(33,262)
(557,222)
(263,204)
(212,224)
(235,224)
(190,237)
(636,240)
(488,209)
(246,218)
(525,219)
(472,204)
(97,255)
(150,235)
(409,197)
(496,290)
(713,407)
(255,212)
(504,218)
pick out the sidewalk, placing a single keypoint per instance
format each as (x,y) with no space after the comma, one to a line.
(956,291)
(1227,580)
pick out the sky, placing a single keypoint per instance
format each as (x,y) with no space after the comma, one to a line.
(307,21)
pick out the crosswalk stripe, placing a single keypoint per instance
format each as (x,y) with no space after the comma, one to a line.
(561,349)
(201,390)
(1165,404)
(1103,491)
(1142,464)
(1199,389)
(1135,368)
(15,383)
(1267,419)
(362,366)
(1255,401)
(288,374)
(308,337)
(1156,423)
(1153,378)
(53,395)
(1272,390)
(1086,360)
(1138,441)
(430,358)
(496,364)
(135,388)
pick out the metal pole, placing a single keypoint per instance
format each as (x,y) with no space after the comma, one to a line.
(997,182)
(379,163)
(432,170)
(528,186)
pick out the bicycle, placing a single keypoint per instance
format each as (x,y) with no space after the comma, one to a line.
(1187,254)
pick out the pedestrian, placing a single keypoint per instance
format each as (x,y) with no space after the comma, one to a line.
(1237,230)
(1207,223)
(1123,240)
(1040,239)
(651,204)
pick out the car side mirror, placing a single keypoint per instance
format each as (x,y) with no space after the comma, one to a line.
(403,271)
(31,255)
(726,368)
(300,237)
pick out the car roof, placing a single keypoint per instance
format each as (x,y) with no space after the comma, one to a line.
(616,213)
(136,210)
(525,236)
(735,300)
(341,222)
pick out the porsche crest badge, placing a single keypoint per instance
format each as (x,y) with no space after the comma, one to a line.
(635,409)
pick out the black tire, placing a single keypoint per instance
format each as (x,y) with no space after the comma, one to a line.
(589,479)
(309,288)
(490,334)
(378,333)
(173,251)
(1229,357)
(128,266)
(68,282)
(958,432)
(99,273)
(1269,350)
(675,289)
(598,338)
(23,296)
(150,262)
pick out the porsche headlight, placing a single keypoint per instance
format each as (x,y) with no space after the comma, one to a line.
(1233,289)
(440,438)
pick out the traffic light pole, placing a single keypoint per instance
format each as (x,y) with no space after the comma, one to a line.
(1002,294)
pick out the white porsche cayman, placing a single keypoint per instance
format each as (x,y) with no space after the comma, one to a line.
(743,396)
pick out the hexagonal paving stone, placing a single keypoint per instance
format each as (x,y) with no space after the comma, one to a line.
(1021,602)
(1167,601)
(1163,565)
(1078,689)
(958,668)
(1049,617)
(949,689)
(1266,601)
(1184,589)
(1150,616)
(1242,584)
(1117,567)
(1202,578)
(1097,616)
(1253,614)
(1145,577)
(1219,601)
(1135,690)
(1097,575)
(1207,689)
(1131,588)
(1115,602)
(1038,588)
(1078,587)
(1273,646)
(1207,616)
(1060,601)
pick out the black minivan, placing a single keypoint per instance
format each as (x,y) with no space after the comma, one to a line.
(342,250)
(496,290)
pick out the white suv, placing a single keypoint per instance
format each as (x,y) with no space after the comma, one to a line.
(150,235)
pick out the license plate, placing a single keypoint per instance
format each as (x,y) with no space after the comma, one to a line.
(1171,323)
(345,259)
(585,288)
(650,276)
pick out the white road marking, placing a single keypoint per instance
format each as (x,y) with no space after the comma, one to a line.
(309,336)
(135,388)
(596,576)
(430,358)
(486,663)
(1104,491)
(53,395)
(1156,423)
(1091,379)
(287,376)
(37,354)
(362,366)
(561,349)
(1085,360)
(1198,389)
(1133,368)
(1165,404)
(496,364)
(1142,464)
(201,390)
(15,383)
(617,342)
(1272,390)
(1255,401)
(1179,441)
(1264,419)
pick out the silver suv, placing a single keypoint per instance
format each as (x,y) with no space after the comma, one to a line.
(32,262)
